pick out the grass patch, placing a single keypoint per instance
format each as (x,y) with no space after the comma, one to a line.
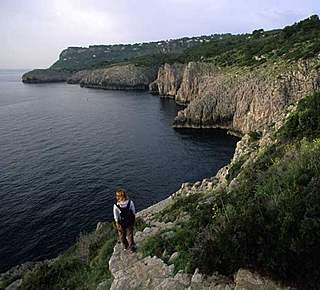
(235,168)
(181,207)
(270,222)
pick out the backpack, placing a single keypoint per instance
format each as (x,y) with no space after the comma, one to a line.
(126,215)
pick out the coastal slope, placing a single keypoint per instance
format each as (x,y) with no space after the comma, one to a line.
(255,222)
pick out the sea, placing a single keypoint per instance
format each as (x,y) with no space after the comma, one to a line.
(64,150)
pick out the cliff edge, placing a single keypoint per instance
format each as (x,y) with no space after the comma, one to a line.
(240,99)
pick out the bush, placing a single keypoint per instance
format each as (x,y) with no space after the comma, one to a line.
(305,121)
(182,237)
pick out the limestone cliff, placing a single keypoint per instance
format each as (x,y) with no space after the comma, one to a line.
(240,99)
(168,81)
(124,77)
(117,77)
(45,76)
(76,77)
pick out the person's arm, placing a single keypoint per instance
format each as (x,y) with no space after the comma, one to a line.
(116,214)
(132,207)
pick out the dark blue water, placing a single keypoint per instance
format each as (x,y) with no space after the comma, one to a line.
(65,149)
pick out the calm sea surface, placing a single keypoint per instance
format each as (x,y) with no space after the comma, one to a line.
(65,149)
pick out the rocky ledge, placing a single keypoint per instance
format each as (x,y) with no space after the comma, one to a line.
(45,76)
(119,77)
(116,77)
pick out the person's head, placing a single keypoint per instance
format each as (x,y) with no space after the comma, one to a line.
(121,195)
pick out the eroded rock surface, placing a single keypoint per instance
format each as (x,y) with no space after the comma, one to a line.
(240,99)
(45,76)
(120,77)
(245,101)
(168,80)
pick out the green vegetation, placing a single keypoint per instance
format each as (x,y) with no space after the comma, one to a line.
(305,122)
(270,222)
(140,225)
(301,40)
(83,266)
(182,207)
(236,167)
(182,237)
(298,41)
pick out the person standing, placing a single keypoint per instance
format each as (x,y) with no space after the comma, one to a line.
(124,216)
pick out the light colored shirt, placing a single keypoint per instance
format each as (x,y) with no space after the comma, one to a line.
(122,204)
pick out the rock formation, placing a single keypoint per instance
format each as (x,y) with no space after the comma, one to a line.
(240,99)
(45,76)
(168,80)
(117,77)
(76,77)
(120,77)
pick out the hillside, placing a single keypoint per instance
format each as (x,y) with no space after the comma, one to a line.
(95,56)
(299,41)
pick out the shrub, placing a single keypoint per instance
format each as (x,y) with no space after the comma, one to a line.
(270,223)
(182,237)
(305,121)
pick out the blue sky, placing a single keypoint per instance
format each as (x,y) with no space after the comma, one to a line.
(34,32)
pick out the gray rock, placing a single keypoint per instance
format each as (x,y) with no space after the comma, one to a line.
(247,280)
(14,285)
(120,77)
(45,76)
(197,277)
(168,80)
(242,100)
(173,257)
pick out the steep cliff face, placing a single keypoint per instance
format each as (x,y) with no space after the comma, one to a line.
(240,99)
(124,77)
(45,76)
(193,85)
(168,80)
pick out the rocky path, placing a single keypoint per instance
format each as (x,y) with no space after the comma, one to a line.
(133,271)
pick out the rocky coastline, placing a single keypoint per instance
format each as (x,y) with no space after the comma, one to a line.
(251,102)
(46,76)
(116,77)
(239,99)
